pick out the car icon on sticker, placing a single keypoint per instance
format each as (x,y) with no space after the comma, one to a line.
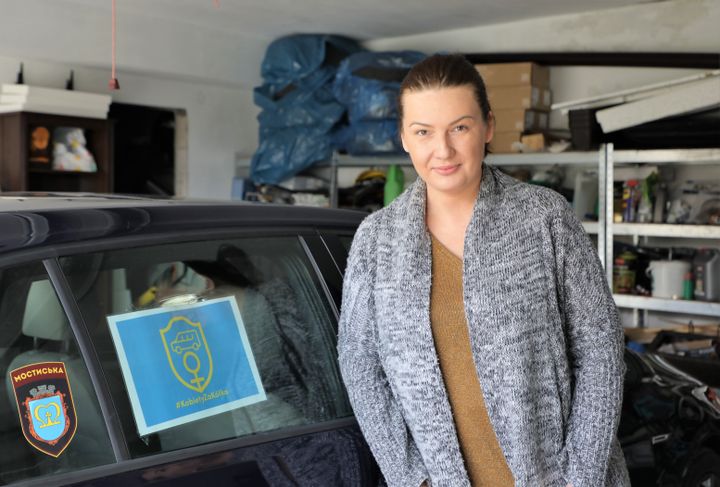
(185,340)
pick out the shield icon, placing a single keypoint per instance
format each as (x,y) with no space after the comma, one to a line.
(45,406)
(188,353)
(47,417)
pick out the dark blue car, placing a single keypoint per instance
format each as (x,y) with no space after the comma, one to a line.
(151,342)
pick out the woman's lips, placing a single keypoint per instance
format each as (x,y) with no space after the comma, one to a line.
(445,170)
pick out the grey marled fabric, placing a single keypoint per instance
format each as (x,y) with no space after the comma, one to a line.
(545,336)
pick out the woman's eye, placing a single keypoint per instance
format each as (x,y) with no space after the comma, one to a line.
(461,128)
(421,132)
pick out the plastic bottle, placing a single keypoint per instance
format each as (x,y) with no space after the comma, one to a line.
(394,183)
(688,290)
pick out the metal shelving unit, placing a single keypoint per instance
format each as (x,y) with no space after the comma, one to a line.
(658,230)
(605,159)
(590,158)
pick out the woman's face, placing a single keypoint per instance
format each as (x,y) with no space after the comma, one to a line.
(444,132)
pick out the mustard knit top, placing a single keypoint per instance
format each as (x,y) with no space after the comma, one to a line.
(484,460)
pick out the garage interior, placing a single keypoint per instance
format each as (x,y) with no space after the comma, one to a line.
(614,104)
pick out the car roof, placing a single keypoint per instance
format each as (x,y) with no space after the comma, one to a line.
(32,220)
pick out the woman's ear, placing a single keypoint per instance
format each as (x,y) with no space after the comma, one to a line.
(402,141)
(490,131)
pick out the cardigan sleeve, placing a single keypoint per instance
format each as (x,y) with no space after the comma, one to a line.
(376,409)
(595,350)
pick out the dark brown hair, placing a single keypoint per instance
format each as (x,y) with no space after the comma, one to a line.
(444,71)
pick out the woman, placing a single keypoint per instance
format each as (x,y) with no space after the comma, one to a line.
(479,342)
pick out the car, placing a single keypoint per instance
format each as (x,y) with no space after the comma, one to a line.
(167,342)
(156,341)
(670,425)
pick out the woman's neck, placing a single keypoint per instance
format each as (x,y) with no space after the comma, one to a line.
(451,206)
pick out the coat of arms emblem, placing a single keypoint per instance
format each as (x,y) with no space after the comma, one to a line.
(45,405)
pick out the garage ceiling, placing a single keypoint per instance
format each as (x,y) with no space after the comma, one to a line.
(361,19)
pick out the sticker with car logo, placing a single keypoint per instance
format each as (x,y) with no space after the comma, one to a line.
(45,406)
(185,362)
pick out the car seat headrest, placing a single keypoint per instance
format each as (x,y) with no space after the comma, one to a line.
(44,317)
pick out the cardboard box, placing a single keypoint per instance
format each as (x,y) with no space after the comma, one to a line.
(518,97)
(513,74)
(502,142)
(520,120)
(534,142)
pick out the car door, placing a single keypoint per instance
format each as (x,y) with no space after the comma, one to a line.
(218,354)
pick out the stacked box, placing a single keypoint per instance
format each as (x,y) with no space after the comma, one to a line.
(520,99)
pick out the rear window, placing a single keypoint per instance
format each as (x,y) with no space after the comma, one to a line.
(205,341)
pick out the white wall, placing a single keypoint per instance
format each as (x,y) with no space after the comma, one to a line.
(78,33)
(221,119)
(672,26)
(162,62)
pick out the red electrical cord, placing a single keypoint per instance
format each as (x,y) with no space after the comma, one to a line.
(113,84)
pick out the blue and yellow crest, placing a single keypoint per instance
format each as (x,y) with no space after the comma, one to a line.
(188,353)
(45,406)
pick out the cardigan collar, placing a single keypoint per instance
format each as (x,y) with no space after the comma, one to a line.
(416,204)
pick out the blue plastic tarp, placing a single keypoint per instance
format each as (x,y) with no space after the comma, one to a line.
(368,137)
(292,59)
(284,153)
(300,107)
(367,83)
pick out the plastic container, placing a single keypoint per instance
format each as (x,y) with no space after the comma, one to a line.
(394,183)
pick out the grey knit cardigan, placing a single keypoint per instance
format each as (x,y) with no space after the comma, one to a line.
(545,336)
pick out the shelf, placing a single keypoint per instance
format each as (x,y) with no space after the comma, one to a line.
(544,158)
(666,230)
(668,305)
(590,227)
(342,160)
(667,156)
(533,159)
(56,172)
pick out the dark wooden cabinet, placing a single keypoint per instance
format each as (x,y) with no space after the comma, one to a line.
(19,173)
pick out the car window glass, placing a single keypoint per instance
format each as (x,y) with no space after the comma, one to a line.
(346,242)
(204,341)
(50,420)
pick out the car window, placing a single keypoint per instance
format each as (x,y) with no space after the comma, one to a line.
(346,242)
(204,341)
(50,420)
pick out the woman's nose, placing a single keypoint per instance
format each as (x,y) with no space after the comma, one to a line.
(443,148)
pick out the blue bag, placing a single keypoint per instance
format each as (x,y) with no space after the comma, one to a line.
(300,107)
(368,137)
(367,83)
(285,152)
(293,58)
